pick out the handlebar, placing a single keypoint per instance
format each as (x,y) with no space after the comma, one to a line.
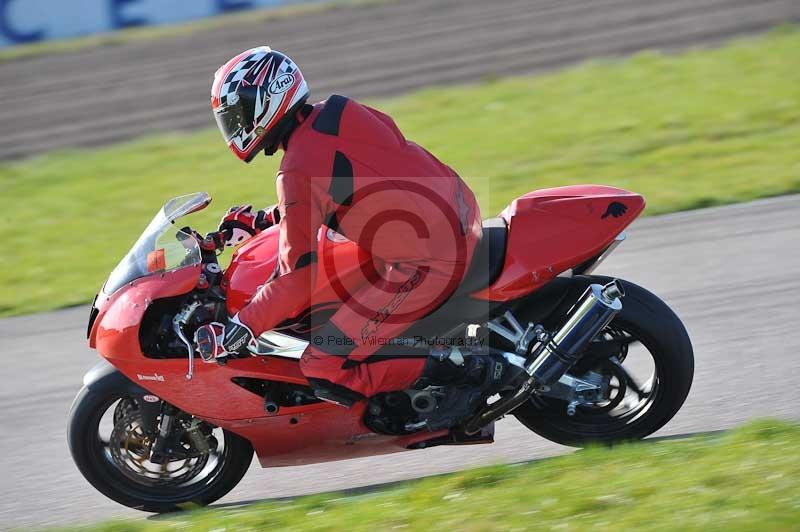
(213,241)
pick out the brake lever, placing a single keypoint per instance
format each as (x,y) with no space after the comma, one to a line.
(177,326)
(178,321)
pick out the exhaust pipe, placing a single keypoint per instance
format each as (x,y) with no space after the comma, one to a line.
(554,357)
(594,311)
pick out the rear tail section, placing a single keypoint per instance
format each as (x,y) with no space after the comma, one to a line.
(557,229)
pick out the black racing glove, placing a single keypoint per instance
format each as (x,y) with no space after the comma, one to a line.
(237,337)
(215,341)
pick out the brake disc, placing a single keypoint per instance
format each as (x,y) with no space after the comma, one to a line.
(129,446)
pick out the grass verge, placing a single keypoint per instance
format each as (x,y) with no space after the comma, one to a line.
(748,479)
(702,128)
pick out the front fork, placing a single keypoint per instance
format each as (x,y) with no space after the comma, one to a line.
(168,429)
(163,435)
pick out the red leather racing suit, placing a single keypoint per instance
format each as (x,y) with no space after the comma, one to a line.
(349,167)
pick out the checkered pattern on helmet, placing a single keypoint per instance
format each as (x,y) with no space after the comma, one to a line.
(234,77)
(288,66)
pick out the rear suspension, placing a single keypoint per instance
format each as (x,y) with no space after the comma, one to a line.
(555,355)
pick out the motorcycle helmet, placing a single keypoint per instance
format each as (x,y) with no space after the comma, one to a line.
(254,97)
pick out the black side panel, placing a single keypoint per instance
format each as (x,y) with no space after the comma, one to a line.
(93,313)
(546,305)
(330,117)
(306,259)
(453,312)
(488,258)
(341,188)
(331,222)
(282,393)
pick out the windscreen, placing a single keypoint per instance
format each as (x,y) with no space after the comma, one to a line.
(162,246)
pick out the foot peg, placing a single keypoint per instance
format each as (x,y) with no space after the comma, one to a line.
(333,393)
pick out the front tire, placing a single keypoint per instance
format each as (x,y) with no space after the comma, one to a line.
(645,319)
(98,461)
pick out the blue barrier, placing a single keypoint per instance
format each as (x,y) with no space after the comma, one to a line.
(26,21)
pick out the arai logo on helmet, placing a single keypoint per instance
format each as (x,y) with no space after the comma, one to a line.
(281,84)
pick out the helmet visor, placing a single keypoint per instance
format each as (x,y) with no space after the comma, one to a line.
(230,120)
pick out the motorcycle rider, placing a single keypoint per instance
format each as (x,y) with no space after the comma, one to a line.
(348,167)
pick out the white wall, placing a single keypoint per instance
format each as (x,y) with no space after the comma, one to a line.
(24,21)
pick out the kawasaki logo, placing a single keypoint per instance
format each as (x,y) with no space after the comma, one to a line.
(153,377)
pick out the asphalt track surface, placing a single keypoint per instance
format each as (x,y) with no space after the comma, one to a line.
(732,274)
(108,94)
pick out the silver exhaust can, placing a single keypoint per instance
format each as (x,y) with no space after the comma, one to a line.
(552,358)
(590,315)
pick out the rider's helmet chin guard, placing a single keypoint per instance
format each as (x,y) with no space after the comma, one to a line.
(254,98)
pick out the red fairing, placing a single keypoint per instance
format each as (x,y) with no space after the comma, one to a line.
(550,231)
(256,261)
(555,229)
(115,335)
(121,313)
(318,433)
(297,435)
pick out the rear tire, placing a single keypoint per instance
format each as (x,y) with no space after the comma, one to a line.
(94,461)
(648,319)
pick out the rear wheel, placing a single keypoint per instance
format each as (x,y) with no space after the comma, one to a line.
(112,449)
(646,361)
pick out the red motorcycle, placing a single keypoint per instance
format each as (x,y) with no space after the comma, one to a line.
(154,429)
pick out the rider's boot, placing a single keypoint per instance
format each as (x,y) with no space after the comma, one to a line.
(466,381)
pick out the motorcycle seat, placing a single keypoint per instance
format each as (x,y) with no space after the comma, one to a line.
(488,257)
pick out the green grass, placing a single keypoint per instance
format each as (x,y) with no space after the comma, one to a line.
(745,480)
(149,33)
(702,128)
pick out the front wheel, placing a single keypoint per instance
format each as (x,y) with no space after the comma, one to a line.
(112,449)
(645,358)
